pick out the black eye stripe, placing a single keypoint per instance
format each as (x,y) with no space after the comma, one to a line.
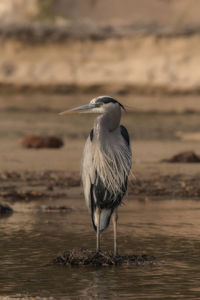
(108,100)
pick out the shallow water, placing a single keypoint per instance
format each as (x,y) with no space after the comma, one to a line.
(31,238)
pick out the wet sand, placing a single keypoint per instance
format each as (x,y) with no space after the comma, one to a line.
(36,174)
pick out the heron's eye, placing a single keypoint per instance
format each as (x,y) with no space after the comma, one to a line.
(100,103)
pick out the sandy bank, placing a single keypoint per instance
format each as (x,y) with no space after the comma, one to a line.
(65,59)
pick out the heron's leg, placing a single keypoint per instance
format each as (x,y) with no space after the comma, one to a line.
(98,229)
(115,218)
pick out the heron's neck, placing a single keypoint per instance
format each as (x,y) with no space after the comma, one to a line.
(109,121)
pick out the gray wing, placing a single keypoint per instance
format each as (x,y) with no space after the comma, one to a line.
(125,134)
(88,171)
(94,191)
(96,194)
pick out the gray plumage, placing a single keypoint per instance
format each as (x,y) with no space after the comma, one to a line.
(106,163)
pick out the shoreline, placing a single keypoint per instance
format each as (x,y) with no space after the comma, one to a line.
(67,59)
(55,185)
(114,88)
(41,32)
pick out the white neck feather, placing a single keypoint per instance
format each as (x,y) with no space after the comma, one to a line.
(112,158)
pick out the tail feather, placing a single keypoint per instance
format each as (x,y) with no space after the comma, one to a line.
(105,216)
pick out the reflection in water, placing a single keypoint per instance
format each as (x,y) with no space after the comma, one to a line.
(30,239)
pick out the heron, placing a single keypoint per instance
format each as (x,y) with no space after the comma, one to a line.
(106,164)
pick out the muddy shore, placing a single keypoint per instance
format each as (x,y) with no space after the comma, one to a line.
(52,185)
(158,130)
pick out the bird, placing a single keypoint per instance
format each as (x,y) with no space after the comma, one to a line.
(106,164)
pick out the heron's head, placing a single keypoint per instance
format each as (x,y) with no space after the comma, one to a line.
(99,105)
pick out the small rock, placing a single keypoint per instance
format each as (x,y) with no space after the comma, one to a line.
(34,141)
(184,157)
(5,209)
(50,188)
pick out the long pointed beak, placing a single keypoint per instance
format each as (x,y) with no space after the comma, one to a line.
(79,109)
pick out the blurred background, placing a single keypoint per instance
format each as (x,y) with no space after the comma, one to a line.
(57,54)
(145,45)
